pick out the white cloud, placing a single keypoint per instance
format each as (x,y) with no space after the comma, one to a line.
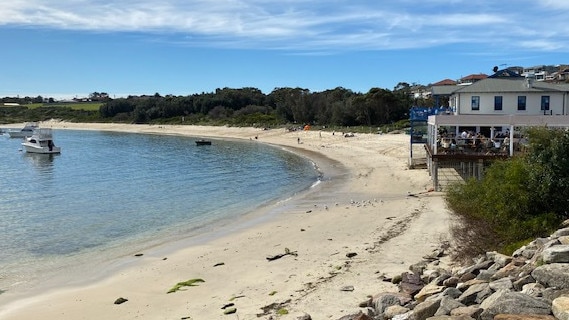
(304,25)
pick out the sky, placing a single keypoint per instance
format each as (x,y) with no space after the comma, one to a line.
(71,48)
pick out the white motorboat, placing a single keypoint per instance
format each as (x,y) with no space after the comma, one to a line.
(25,132)
(41,141)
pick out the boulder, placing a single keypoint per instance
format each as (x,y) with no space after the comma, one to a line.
(553,275)
(556,254)
(447,305)
(475,294)
(514,303)
(551,294)
(560,308)
(560,233)
(518,284)
(384,300)
(471,311)
(427,291)
(504,284)
(475,269)
(451,292)
(393,311)
(426,309)
(499,259)
(451,282)
(533,289)
(523,317)
(486,275)
(462,317)
(410,283)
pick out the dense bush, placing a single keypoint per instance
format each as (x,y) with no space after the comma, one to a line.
(518,199)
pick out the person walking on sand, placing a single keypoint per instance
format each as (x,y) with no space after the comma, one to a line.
(298,140)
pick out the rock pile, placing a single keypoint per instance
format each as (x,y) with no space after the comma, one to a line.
(531,284)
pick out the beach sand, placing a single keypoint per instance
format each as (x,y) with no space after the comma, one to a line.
(382,211)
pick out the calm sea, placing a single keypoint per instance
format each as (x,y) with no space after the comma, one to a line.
(114,193)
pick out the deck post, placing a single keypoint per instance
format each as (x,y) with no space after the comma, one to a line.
(436,174)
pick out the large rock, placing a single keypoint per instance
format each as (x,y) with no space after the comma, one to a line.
(553,275)
(462,317)
(471,311)
(428,290)
(451,292)
(551,294)
(384,300)
(411,283)
(514,303)
(475,269)
(556,254)
(533,289)
(393,311)
(447,305)
(560,233)
(520,283)
(426,309)
(560,308)
(504,284)
(523,317)
(475,294)
(358,316)
(499,259)
(511,269)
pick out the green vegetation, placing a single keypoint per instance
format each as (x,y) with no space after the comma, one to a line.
(337,109)
(84,106)
(189,283)
(282,311)
(517,200)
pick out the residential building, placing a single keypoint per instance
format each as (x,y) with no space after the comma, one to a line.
(493,112)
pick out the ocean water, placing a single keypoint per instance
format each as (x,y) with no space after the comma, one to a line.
(110,194)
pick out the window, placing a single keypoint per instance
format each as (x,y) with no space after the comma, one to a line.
(544,103)
(475,103)
(498,103)
(521,103)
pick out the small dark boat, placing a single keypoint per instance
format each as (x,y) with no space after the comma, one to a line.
(203,142)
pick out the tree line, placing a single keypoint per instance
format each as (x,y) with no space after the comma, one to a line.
(339,106)
(250,106)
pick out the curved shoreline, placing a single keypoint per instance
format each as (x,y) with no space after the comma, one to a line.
(78,272)
(322,227)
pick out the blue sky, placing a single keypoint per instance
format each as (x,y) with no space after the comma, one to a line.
(70,48)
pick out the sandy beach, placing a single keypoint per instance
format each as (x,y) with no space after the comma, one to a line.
(381,211)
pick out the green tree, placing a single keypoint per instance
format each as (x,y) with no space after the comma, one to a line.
(549,156)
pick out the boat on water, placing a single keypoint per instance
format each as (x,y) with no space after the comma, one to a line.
(25,132)
(41,141)
(203,142)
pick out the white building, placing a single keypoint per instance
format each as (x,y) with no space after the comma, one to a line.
(496,108)
(510,96)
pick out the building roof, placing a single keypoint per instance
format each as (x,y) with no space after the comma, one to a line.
(519,84)
(505,73)
(444,90)
(445,82)
(479,76)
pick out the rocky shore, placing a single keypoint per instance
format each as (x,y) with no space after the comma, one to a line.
(531,284)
